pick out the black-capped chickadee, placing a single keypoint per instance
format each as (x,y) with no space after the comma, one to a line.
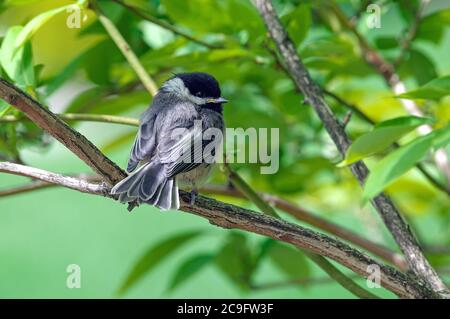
(169,150)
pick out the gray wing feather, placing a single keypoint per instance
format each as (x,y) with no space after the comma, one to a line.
(145,142)
(185,153)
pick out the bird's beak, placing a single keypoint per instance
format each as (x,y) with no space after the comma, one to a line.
(219,100)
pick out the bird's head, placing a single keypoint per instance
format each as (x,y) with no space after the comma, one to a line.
(197,87)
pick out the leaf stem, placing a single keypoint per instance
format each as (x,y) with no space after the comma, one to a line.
(123,45)
(102,118)
(166,25)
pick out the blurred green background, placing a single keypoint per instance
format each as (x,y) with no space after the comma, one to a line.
(81,71)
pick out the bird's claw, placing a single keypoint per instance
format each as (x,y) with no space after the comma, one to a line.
(194,194)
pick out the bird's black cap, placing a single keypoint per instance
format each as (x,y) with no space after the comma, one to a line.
(200,84)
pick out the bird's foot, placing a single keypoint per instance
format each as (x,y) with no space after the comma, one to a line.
(194,193)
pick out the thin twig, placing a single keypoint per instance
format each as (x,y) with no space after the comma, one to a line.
(357,110)
(35,185)
(405,44)
(70,138)
(347,119)
(392,79)
(340,277)
(102,118)
(294,210)
(123,45)
(253,196)
(220,214)
(383,204)
(230,216)
(245,189)
(166,25)
(361,114)
(320,261)
(74,183)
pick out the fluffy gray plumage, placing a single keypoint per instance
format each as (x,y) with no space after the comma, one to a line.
(156,159)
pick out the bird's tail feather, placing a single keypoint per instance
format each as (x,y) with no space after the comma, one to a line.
(148,184)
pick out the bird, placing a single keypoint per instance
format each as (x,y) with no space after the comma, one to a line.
(170,138)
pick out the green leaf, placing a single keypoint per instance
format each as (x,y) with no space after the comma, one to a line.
(433,26)
(93,61)
(86,100)
(121,103)
(19,2)
(289,260)
(4,107)
(418,65)
(442,137)
(120,141)
(190,267)
(382,136)
(235,260)
(200,15)
(155,255)
(31,27)
(386,43)
(433,90)
(65,74)
(298,23)
(396,164)
(17,65)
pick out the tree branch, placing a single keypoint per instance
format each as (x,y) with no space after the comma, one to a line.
(320,261)
(253,196)
(311,219)
(363,116)
(220,214)
(80,117)
(77,184)
(35,185)
(166,25)
(411,34)
(392,79)
(122,44)
(294,210)
(383,204)
(230,216)
(340,277)
(52,124)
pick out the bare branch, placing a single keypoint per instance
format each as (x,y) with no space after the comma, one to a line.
(102,118)
(70,138)
(53,178)
(411,34)
(35,185)
(362,115)
(383,204)
(166,25)
(124,47)
(290,208)
(230,216)
(392,79)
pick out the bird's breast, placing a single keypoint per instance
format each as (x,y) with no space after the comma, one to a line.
(195,177)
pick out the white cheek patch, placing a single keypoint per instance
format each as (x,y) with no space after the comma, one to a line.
(177,86)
